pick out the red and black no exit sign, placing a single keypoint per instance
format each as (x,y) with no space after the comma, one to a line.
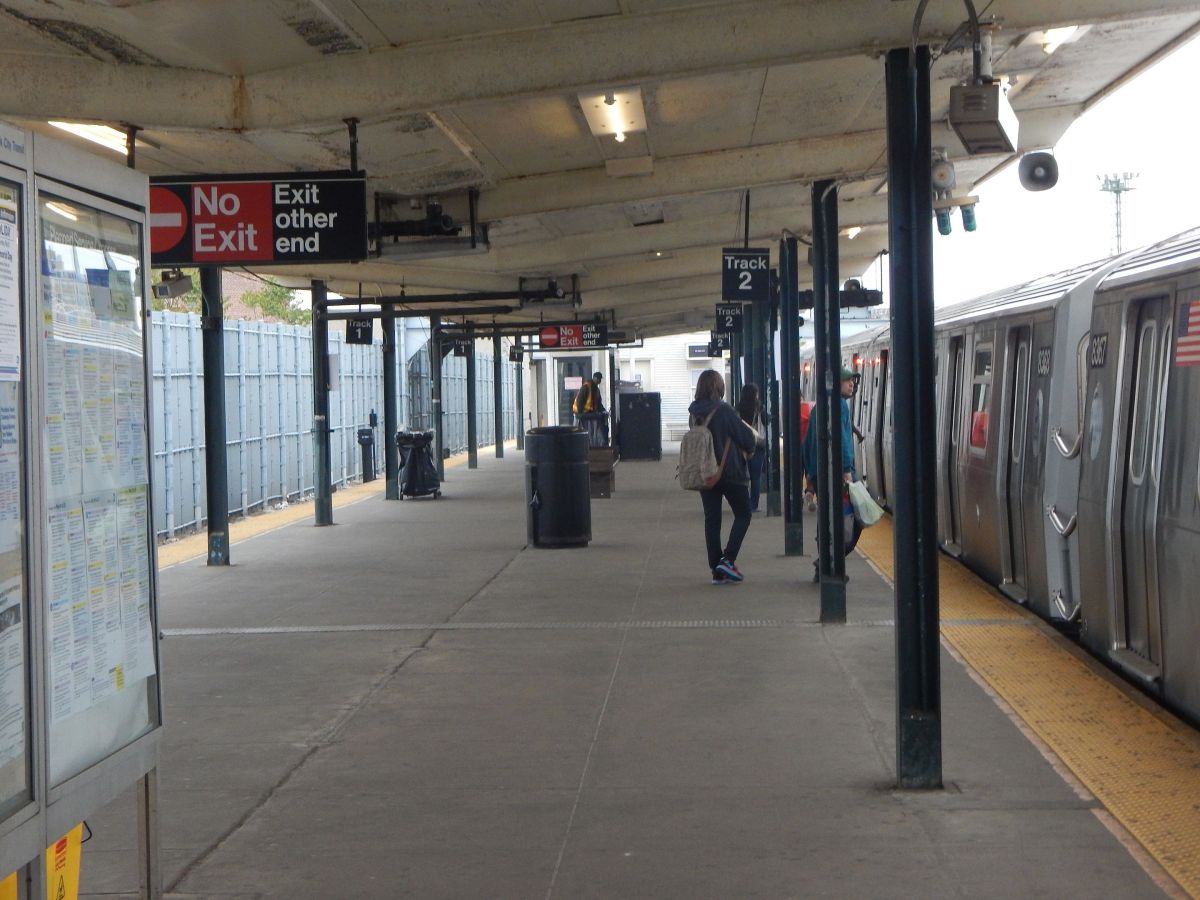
(294,217)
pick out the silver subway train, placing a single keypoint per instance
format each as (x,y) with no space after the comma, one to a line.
(1068,434)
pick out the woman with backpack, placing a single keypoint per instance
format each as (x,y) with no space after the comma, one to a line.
(750,409)
(733,441)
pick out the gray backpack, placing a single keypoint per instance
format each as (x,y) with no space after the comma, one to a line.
(698,466)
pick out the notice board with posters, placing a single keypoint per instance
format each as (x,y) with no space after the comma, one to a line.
(79,693)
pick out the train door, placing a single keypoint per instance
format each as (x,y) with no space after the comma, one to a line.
(1148,358)
(1018,390)
(954,397)
(572,370)
(879,421)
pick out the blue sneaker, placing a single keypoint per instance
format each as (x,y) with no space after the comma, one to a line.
(729,570)
(718,577)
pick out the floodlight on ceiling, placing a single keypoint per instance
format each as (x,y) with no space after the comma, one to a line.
(616,112)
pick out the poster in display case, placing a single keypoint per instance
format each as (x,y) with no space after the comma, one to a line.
(99,628)
(14,619)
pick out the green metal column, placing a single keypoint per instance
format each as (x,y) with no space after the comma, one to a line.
(774,422)
(520,375)
(212,321)
(472,405)
(498,393)
(827,316)
(323,493)
(793,478)
(391,459)
(435,394)
(910,237)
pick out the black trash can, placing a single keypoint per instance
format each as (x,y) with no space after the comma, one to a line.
(418,475)
(366,440)
(557,491)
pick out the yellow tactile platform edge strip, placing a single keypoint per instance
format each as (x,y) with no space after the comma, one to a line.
(195,546)
(1142,764)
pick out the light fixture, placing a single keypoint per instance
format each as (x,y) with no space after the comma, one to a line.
(1053,38)
(618,112)
(61,209)
(853,231)
(104,135)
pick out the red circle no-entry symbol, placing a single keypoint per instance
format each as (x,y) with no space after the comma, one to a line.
(168,219)
(548,336)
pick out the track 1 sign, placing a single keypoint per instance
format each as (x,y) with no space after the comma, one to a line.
(359,331)
(746,274)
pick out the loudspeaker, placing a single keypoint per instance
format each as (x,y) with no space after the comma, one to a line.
(1038,171)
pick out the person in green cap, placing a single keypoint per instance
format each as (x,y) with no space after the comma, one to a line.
(809,451)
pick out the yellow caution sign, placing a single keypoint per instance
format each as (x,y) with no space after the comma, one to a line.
(62,866)
(8,887)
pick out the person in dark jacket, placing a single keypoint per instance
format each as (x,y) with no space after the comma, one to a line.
(853,528)
(728,430)
(750,409)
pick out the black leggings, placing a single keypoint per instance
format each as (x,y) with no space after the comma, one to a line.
(738,496)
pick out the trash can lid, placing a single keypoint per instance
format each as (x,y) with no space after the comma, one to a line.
(555,429)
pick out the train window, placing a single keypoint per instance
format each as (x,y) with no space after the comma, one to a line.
(1142,408)
(981,383)
(1038,405)
(1020,401)
(1081,366)
(1163,375)
(1096,425)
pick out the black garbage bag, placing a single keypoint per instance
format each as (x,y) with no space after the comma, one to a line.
(418,474)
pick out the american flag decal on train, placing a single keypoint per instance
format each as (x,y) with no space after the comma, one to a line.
(1187,348)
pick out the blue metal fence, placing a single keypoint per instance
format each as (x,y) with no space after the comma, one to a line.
(268,402)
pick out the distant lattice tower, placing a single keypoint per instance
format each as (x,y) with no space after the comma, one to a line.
(1117,184)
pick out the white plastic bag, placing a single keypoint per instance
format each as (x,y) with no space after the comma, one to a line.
(865,508)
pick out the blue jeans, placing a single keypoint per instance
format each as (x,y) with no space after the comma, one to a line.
(757,461)
(739,502)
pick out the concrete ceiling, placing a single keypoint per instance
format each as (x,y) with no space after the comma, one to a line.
(758,95)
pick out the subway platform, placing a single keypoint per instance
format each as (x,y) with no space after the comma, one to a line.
(413,704)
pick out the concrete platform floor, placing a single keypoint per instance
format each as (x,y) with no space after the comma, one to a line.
(413,704)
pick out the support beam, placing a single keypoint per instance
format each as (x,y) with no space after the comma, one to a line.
(417,77)
(472,406)
(498,393)
(323,477)
(789,341)
(827,327)
(918,674)
(212,324)
(391,459)
(149,841)
(520,376)
(435,395)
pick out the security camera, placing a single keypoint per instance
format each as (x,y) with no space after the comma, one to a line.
(174,284)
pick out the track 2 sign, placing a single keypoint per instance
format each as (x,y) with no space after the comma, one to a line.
(729,318)
(746,274)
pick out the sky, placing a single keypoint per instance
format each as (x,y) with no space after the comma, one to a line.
(1149,127)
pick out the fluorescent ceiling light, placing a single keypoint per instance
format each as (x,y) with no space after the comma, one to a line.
(103,135)
(63,210)
(853,231)
(1053,38)
(616,112)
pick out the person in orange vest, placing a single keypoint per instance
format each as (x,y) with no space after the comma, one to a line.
(589,399)
(589,410)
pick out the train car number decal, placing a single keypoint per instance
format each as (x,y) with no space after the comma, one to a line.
(1043,367)
(1098,351)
